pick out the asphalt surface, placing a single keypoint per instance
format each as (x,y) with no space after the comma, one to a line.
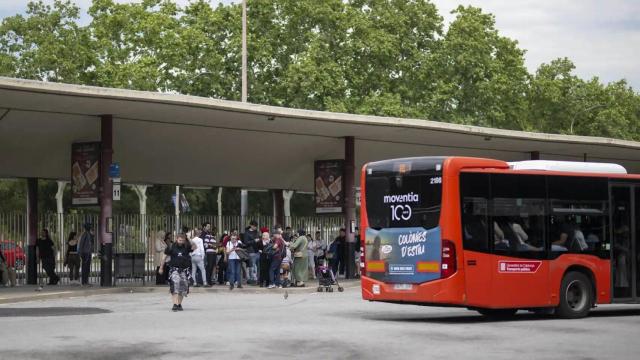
(306,325)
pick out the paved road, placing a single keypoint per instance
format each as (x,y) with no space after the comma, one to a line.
(305,326)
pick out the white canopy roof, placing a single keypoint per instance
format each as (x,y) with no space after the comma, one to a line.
(176,139)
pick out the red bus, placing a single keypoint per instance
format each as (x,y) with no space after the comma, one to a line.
(499,237)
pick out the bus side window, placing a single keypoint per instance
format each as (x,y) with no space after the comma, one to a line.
(475,199)
(579,215)
(518,210)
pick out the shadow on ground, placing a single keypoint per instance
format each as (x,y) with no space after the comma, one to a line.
(50,311)
(477,318)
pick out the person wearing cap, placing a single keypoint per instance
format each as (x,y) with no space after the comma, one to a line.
(85,249)
(300,264)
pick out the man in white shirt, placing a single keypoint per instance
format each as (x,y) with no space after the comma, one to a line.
(197,257)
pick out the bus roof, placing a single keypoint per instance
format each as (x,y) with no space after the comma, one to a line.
(569,166)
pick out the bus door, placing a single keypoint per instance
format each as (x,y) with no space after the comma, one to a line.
(625,213)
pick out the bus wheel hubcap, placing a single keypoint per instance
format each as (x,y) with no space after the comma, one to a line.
(576,295)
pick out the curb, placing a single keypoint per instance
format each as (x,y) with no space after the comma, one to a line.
(67,294)
(247,289)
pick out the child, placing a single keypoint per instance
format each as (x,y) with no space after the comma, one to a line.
(285,268)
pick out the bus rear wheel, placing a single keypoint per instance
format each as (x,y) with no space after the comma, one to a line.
(576,296)
(498,313)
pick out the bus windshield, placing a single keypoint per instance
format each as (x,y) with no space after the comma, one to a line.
(402,241)
(404,194)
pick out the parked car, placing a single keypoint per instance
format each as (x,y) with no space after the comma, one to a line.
(14,254)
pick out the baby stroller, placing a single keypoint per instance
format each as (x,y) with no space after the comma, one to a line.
(326,279)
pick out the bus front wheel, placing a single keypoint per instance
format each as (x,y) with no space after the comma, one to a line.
(576,296)
(498,313)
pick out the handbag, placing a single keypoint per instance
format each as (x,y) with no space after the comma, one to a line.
(242,254)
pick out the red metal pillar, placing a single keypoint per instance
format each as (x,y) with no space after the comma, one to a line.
(350,204)
(106,238)
(32,230)
(535,155)
(278,207)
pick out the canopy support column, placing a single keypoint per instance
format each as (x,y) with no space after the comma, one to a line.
(220,230)
(286,196)
(60,208)
(534,155)
(141,191)
(350,204)
(106,200)
(278,207)
(244,208)
(32,230)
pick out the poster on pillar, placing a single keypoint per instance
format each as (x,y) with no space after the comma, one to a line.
(329,193)
(85,173)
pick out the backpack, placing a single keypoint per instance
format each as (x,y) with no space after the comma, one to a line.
(269,250)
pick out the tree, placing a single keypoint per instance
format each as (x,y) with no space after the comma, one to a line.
(47,44)
(560,102)
(481,77)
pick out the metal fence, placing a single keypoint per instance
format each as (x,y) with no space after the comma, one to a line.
(134,233)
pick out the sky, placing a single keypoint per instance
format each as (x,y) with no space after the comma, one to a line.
(601,37)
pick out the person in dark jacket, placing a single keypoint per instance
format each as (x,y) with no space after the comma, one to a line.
(276,260)
(179,266)
(85,249)
(250,240)
(265,260)
(72,258)
(340,254)
(46,252)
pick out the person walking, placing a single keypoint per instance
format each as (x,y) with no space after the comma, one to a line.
(233,260)
(46,252)
(250,241)
(277,253)
(300,255)
(211,251)
(197,258)
(179,262)
(160,246)
(72,258)
(85,248)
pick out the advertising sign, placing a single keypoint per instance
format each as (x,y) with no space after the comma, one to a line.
(85,173)
(403,255)
(329,189)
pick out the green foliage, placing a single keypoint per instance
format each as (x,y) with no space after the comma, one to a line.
(381,57)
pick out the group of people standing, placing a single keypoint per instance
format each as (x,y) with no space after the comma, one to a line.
(258,257)
(78,255)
